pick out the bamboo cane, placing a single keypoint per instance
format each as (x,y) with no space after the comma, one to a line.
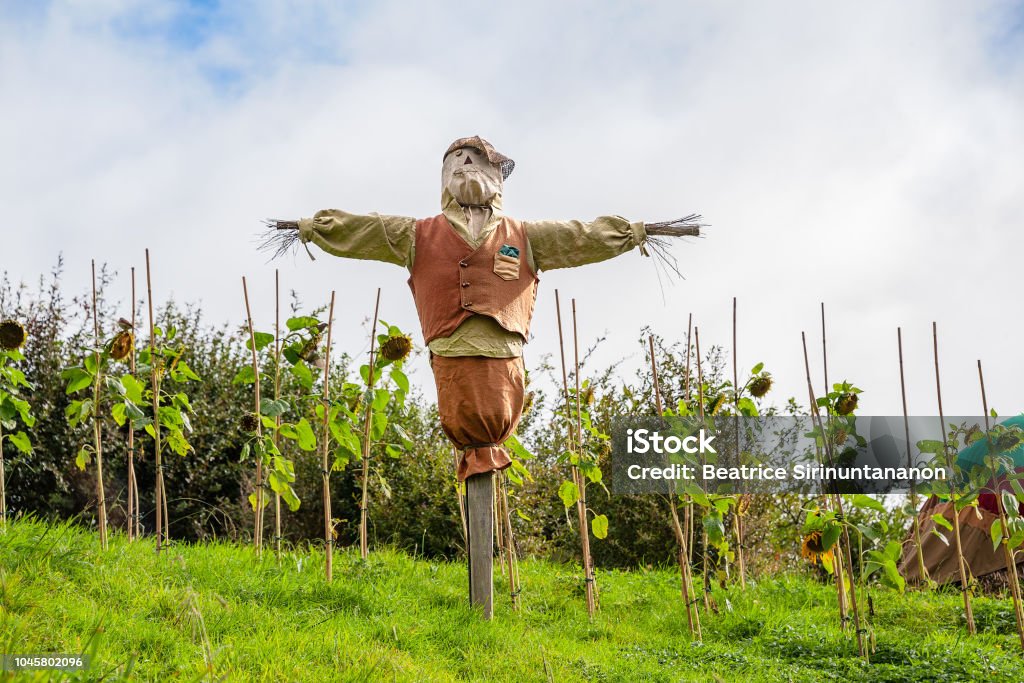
(965,588)
(364,549)
(133,485)
(816,419)
(579,442)
(460,494)
(922,570)
(277,396)
(510,549)
(1011,562)
(692,613)
(325,440)
(706,578)
(687,503)
(97,424)
(844,612)
(258,521)
(570,433)
(156,366)
(737,523)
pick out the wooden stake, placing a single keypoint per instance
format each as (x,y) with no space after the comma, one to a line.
(510,543)
(364,548)
(682,555)
(965,580)
(1011,561)
(156,365)
(838,502)
(737,523)
(277,395)
(706,578)
(688,504)
(579,441)
(325,443)
(571,434)
(460,494)
(257,535)
(97,423)
(844,617)
(133,484)
(922,570)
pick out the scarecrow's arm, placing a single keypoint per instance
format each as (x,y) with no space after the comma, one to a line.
(373,237)
(566,244)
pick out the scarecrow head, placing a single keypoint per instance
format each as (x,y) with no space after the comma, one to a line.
(473,172)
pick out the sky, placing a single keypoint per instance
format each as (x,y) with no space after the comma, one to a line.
(865,155)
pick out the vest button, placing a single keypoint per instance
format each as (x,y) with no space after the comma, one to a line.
(467,304)
(463,264)
(465,284)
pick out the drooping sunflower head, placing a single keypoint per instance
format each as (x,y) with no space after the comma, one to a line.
(396,348)
(813,548)
(122,345)
(12,335)
(846,403)
(714,404)
(760,385)
(249,423)
(743,504)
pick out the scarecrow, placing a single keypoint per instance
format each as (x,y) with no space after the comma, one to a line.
(474,275)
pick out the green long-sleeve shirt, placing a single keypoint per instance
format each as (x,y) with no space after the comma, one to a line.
(550,245)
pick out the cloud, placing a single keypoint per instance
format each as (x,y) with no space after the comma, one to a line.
(865,156)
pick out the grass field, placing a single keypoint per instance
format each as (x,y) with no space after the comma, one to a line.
(216,612)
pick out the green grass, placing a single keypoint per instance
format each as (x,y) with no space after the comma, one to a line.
(394,617)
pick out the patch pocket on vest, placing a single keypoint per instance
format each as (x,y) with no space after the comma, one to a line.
(506,267)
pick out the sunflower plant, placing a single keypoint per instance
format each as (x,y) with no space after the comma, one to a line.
(13,407)
(585,457)
(282,417)
(95,371)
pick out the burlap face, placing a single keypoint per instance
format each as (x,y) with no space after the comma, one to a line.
(470,177)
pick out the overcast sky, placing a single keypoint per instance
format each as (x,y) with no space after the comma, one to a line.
(869,155)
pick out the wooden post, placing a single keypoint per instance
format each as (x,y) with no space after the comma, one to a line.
(480,541)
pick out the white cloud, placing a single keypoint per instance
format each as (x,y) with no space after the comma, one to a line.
(863,155)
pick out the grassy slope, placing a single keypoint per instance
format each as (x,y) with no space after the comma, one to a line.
(399,618)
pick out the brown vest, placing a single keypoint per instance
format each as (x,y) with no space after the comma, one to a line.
(451,280)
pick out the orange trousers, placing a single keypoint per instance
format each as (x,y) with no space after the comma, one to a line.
(480,401)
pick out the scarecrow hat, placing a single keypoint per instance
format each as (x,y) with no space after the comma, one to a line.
(494,156)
